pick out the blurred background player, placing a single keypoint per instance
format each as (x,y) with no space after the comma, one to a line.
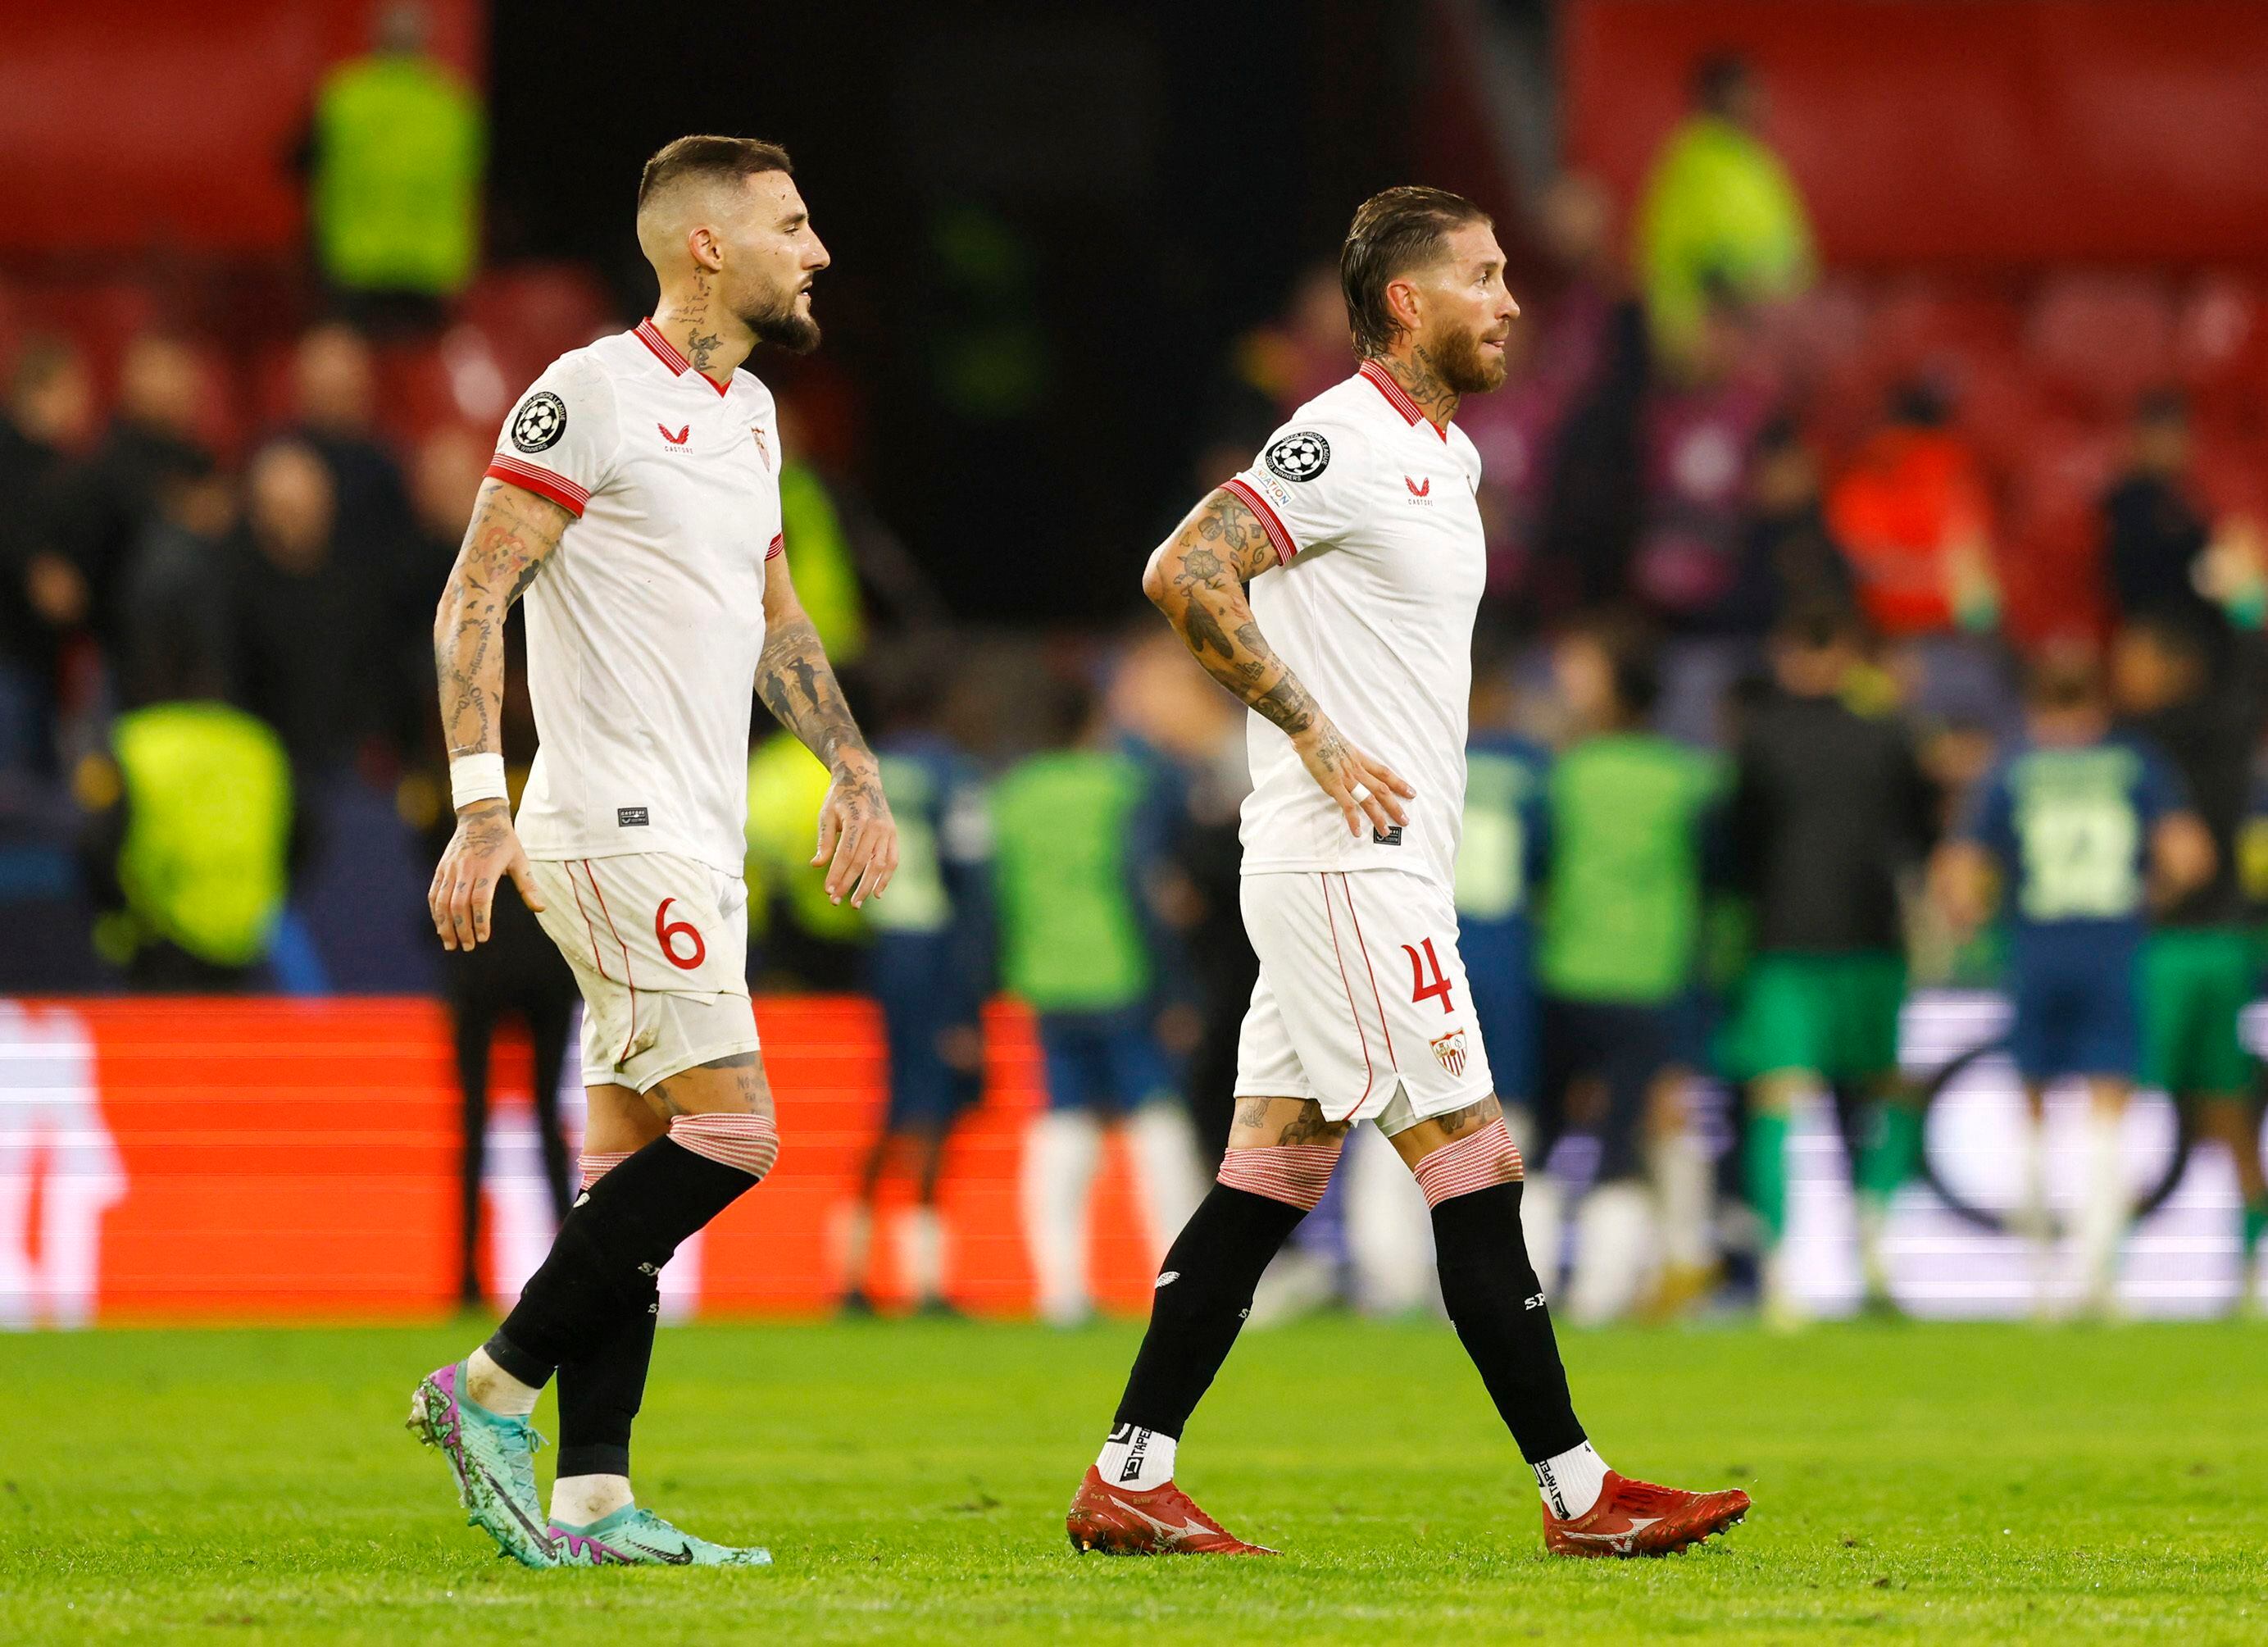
(1829,814)
(1075,842)
(2082,830)
(1500,867)
(2201,966)
(929,968)
(1630,815)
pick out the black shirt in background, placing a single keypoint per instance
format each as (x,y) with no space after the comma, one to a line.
(2210,741)
(2153,535)
(32,474)
(1828,807)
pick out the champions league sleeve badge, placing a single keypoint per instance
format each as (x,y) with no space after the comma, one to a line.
(1302,456)
(540,422)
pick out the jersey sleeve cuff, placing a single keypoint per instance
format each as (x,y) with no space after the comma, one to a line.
(778,548)
(542,482)
(1279,536)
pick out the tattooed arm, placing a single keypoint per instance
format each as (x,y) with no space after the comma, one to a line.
(511,534)
(1197,577)
(794,677)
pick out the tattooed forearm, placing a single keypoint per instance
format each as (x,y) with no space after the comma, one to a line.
(799,686)
(1287,705)
(512,532)
(1197,580)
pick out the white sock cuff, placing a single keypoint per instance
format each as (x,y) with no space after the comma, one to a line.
(1138,1459)
(1571,1482)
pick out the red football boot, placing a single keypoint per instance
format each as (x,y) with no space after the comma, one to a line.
(1163,1521)
(1639,1518)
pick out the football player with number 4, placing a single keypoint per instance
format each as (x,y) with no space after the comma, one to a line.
(634,500)
(1359,537)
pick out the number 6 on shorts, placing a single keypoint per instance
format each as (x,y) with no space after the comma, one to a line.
(667,932)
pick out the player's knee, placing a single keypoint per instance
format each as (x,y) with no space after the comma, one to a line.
(749,1142)
(1295,1174)
(1478,1161)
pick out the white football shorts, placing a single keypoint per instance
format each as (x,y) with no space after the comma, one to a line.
(1361,1004)
(660,945)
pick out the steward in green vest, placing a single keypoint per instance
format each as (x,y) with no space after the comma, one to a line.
(399,146)
(195,831)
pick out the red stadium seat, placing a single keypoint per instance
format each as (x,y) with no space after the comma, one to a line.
(2050,560)
(1918,324)
(2102,340)
(2220,345)
(531,313)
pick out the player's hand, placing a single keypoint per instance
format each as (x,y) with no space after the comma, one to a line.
(857,837)
(1368,791)
(484,849)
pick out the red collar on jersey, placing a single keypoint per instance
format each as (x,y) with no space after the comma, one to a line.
(1398,397)
(665,351)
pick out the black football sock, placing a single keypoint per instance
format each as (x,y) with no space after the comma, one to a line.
(601,1390)
(1203,1293)
(609,1248)
(1497,1307)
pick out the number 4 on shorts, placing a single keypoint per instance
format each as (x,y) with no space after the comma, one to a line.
(1420,989)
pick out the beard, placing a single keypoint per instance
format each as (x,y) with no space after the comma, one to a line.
(784,327)
(1465,369)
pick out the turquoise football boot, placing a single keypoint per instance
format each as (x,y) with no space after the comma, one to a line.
(634,1536)
(492,1459)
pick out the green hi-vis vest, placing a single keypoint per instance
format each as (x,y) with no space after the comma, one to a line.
(787,785)
(207,827)
(1071,933)
(819,554)
(399,149)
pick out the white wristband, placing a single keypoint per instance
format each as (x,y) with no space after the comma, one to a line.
(476,777)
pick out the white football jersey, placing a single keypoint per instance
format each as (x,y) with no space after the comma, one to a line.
(644,625)
(1371,511)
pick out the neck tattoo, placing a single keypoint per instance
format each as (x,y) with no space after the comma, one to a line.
(1421,380)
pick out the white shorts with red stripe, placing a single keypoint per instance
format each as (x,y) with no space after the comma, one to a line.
(1361,1004)
(659,947)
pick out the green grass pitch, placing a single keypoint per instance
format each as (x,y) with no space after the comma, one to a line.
(1939,1483)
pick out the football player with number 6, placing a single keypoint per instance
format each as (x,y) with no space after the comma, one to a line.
(634,500)
(1359,538)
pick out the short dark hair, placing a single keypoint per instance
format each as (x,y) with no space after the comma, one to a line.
(2064,673)
(725,159)
(1814,625)
(1394,232)
(1718,77)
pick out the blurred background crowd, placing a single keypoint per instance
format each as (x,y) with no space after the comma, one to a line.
(1749,455)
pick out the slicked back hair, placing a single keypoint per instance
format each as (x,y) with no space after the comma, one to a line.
(724,160)
(1395,231)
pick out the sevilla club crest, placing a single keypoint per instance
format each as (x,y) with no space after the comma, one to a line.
(1449,1051)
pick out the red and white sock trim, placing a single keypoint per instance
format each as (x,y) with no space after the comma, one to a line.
(1489,1157)
(750,1142)
(598,1163)
(1295,1174)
